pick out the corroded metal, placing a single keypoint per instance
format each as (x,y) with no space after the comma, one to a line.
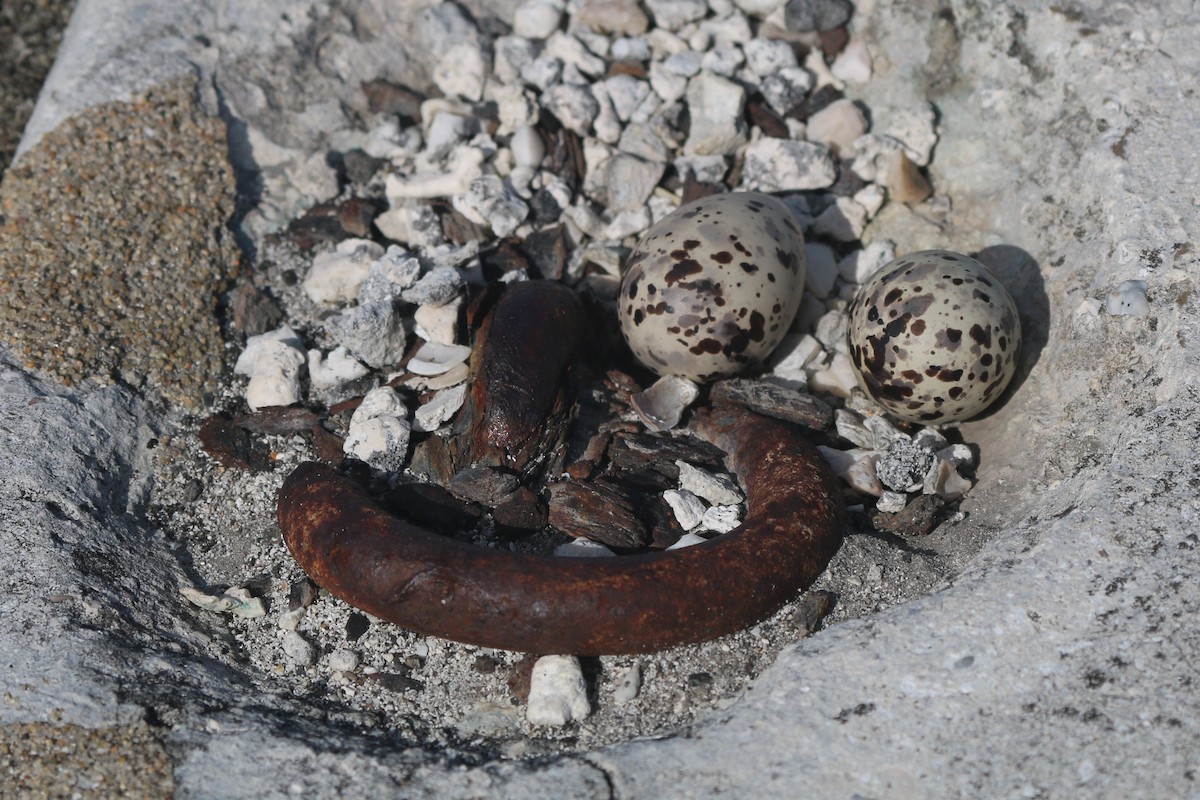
(409,575)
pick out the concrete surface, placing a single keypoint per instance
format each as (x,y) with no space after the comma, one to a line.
(1059,663)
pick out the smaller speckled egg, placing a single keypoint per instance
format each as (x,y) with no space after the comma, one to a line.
(934,337)
(712,287)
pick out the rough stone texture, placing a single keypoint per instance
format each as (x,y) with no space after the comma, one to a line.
(113,247)
(1059,663)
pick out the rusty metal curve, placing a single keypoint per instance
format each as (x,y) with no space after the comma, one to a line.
(406,574)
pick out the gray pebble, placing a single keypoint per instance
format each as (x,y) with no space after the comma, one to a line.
(438,286)
(816,15)
(903,466)
(298,651)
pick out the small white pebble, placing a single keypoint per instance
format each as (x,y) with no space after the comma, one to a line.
(336,369)
(343,661)
(721,519)
(334,277)
(687,540)
(381,442)
(890,502)
(382,401)
(583,548)
(628,684)
(715,489)
(851,428)
(440,408)
(439,322)
(557,692)
(853,64)
(688,508)
(1129,299)
(290,620)
(959,455)
(297,650)
(838,379)
(943,480)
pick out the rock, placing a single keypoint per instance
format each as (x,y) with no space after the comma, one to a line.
(489,201)
(527,146)
(1128,299)
(904,466)
(573,105)
(943,480)
(254,311)
(790,358)
(412,224)
(438,286)
(860,265)
(627,94)
(372,332)
(668,85)
(382,401)
(838,379)
(689,509)
(334,277)
(463,165)
(542,72)
(855,467)
(625,182)
(702,169)
(274,369)
(844,220)
(721,519)
(462,71)
(441,407)
(904,181)
(816,15)
(334,370)
(598,511)
(615,17)
(779,165)
(723,61)
(438,322)
(853,64)
(914,127)
(786,89)
(573,53)
(389,97)
(774,401)
(511,54)
(717,124)
(583,548)
(606,126)
(232,446)
(768,56)
(381,441)
(628,683)
(641,141)
(822,269)
(674,14)
(557,692)
(537,19)
(715,489)
(296,649)
(838,125)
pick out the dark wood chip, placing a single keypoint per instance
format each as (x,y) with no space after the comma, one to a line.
(488,486)
(485,665)
(645,460)
(314,228)
(833,41)
(360,168)
(813,607)
(278,420)
(327,444)
(762,115)
(522,510)
(457,228)
(254,311)
(520,676)
(635,68)
(432,460)
(547,251)
(694,189)
(395,682)
(599,511)
(772,400)
(667,530)
(386,97)
(430,504)
(232,445)
(814,103)
(302,593)
(356,215)
(505,257)
(917,518)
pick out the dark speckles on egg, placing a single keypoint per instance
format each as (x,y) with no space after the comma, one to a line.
(734,260)
(923,322)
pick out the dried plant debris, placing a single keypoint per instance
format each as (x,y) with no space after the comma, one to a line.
(545,155)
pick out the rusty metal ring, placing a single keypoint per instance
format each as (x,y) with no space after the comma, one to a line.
(406,574)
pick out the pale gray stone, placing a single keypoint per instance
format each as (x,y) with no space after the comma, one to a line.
(718,126)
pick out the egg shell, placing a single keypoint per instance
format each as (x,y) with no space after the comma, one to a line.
(712,287)
(934,337)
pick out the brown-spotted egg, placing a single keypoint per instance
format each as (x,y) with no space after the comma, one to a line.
(712,287)
(934,337)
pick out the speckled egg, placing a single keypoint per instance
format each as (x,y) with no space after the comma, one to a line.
(934,337)
(712,287)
